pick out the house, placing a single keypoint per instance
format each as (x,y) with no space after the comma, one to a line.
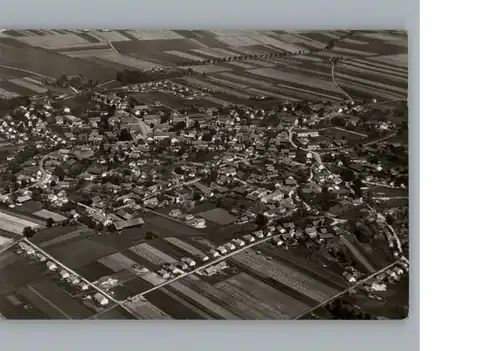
(277,241)
(23,199)
(249,238)
(311,231)
(151,203)
(154,119)
(273,197)
(213,253)
(119,225)
(325,236)
(238,242)
(259,234)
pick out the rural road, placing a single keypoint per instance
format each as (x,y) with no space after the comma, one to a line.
(41,181)
(109,297)
(354,286)
(334,81)
(213,262)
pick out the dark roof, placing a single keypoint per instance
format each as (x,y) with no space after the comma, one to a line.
(128,223)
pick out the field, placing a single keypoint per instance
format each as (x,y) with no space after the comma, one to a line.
(16,224)
(373,65)
(219,216)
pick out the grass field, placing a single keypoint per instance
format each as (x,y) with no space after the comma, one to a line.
(49,63)
(218,216)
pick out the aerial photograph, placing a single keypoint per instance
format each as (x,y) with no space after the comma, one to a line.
(204,174)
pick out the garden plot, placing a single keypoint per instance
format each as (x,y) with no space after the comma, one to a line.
(58,42)
(285,275)
(235,303)
(185,246)
(146,310)
(268,311)
(264,292)
(185,55)
(294,78)
(203,300)
(28,85)
(152,254)
(160,34)
(14,224)
(110,36)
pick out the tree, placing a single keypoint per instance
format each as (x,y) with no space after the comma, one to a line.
(59,172)
(151,235)
(49,222)
(261,220)
(28,232)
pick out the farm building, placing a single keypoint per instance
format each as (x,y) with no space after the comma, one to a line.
(51,266)
(45,214)
(125,215)
(304,133)
(101,299)
(119,225)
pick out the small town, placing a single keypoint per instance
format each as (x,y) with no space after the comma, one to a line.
(156,196)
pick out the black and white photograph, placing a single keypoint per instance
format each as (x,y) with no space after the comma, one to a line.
(204,174)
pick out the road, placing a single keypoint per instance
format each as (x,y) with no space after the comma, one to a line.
(354,286)
(334,81)
(211,263)
(60,264)
(316,155)
(43,179)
